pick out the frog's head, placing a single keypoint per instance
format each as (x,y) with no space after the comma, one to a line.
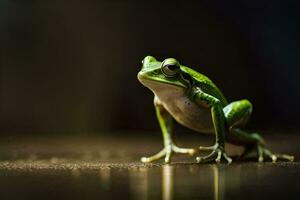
(155,74)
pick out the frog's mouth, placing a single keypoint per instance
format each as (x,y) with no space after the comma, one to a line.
(163,88)
(150,81)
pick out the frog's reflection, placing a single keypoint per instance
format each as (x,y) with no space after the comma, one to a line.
(219,182)
(167,182)
(139,183)
(226,179)
(105,177)
(194,181)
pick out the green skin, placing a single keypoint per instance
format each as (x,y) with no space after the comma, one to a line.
(194,101)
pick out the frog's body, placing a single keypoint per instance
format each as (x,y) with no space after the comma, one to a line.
(184,111)
(194,101)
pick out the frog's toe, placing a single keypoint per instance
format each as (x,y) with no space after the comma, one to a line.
(216,155)
(287,157)
(265,153)
(210,148)
(168,152)
(184,150)
(157,156)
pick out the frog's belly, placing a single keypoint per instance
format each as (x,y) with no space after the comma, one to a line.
(189,114)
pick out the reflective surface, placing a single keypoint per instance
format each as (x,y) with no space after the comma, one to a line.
(78,174)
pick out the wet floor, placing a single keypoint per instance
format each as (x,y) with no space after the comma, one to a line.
(108,169)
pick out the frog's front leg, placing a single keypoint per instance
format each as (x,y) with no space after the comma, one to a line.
(215,105)
(165,121)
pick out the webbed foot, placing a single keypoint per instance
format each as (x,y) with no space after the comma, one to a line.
(217,154)
(168,152)
(263,152)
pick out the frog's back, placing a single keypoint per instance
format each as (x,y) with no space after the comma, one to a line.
(205,84)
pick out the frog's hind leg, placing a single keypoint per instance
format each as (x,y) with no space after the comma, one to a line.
(237,115)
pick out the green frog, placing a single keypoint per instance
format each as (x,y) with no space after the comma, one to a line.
(195,102)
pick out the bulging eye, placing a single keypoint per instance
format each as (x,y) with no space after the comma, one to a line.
(170,67)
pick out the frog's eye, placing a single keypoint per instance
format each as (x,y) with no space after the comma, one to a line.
(170,67)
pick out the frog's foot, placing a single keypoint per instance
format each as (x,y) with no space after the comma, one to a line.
(217,154)
(263,153)
(168,152)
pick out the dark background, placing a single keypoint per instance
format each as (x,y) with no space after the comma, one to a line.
(70,66)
